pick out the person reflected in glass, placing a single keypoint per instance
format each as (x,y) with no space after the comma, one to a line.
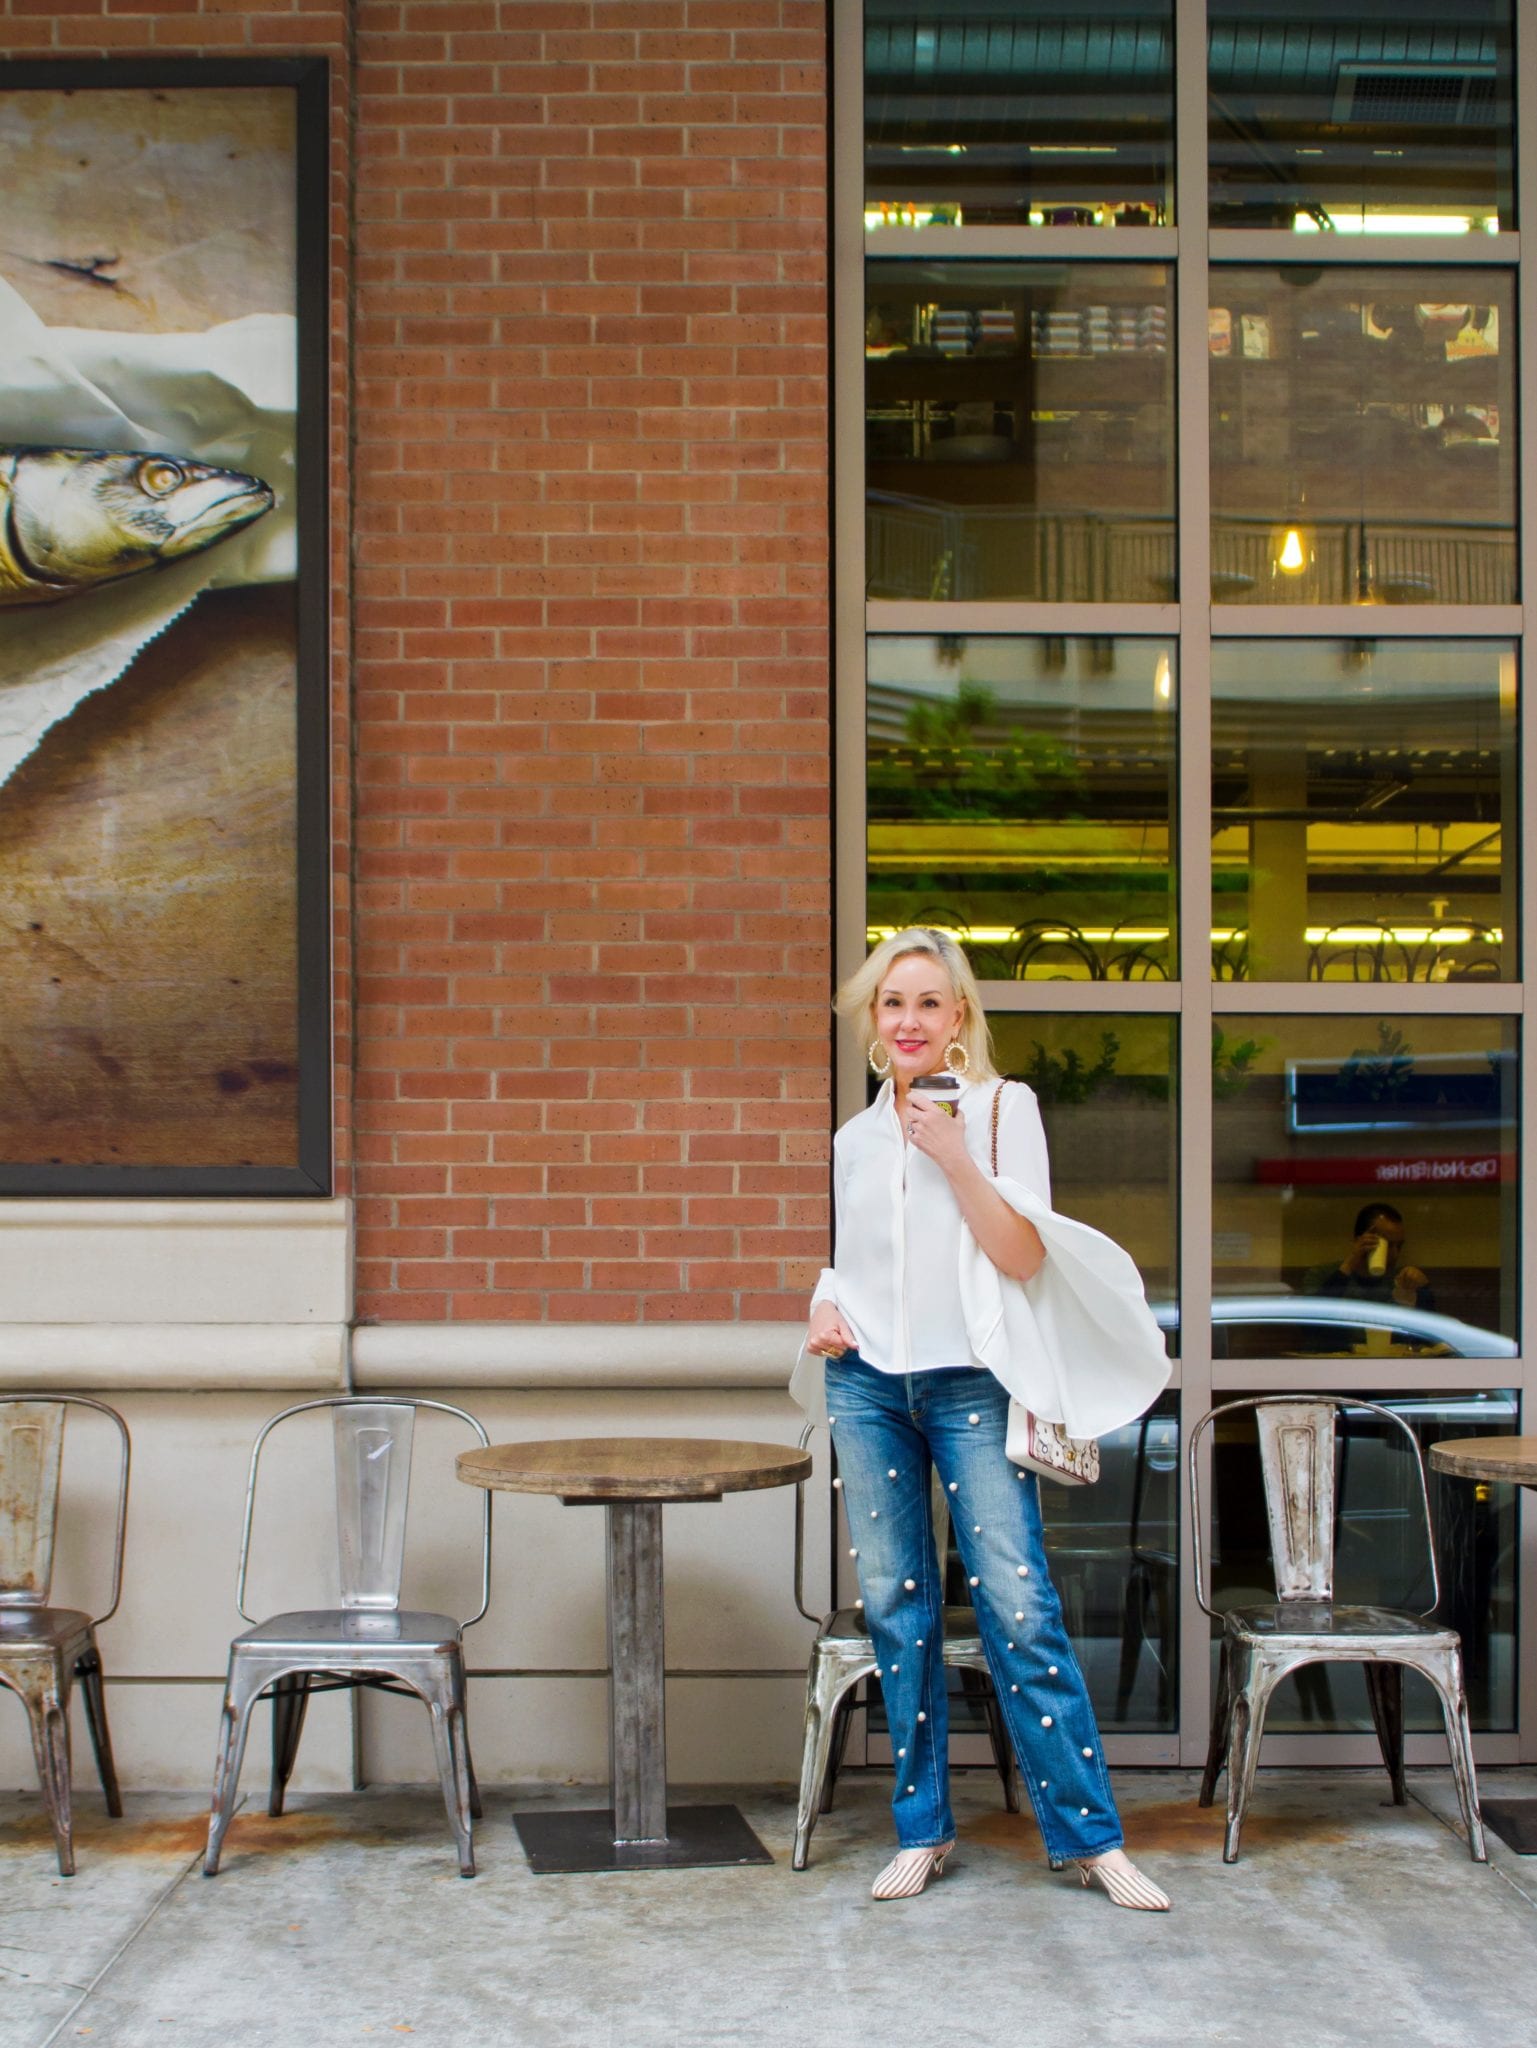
(1373,1269)
(906,1394)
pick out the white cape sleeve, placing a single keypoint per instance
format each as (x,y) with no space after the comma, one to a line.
(1078,1344)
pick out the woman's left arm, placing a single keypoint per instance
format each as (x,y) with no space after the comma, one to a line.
(1009,1240)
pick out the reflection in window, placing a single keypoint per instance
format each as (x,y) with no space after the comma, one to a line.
(1105,1084)
(1018,431)
(1380,1554)
(1019,794)
(980,112)
(1360,792)
(1362,436)
(1364,1200)
(1362,118)
(1115,1560)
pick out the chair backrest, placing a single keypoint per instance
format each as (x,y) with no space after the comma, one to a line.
(1296,1446)
(372,1443)
(31,1461)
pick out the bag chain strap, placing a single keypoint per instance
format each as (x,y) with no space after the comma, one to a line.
(997,1105)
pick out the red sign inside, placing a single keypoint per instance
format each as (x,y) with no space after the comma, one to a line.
(1425,1170)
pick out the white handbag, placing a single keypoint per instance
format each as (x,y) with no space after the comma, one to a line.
(1040,1446)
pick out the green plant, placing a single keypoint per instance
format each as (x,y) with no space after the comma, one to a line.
(955,760)
(1380,1074)
(1068,1078)
(1232,1065)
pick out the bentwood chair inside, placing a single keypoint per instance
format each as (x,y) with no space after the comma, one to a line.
(369,1640)
(844,1653)
(1262,1644)
(43,1649)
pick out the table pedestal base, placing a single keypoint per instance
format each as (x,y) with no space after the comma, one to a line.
(556,1839)
(1514,1821)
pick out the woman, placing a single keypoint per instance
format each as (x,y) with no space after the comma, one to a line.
(919,1199)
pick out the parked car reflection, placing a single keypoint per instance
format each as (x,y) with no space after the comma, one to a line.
(1311,1326)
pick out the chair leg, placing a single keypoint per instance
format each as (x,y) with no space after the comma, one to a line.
(44,1689)
(843,1723)
(1168,1621)
(1251,1688)
(477,1811)
(1385,1691)
(1003,1750)
(826,1686)
(1447,1680)
(93,1699)
(1132,1631)
(1221,1726)
(445,1700)
(290,1699)
(240,1694)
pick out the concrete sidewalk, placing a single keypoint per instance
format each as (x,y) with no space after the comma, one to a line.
(1346,1921)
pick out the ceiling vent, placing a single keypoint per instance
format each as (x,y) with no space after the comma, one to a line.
(1415,95)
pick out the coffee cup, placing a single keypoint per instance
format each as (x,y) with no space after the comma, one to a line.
(944,1090)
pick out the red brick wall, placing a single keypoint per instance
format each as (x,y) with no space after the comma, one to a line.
(588,637)
(591,639)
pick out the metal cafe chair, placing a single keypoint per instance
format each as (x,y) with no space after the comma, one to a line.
(1305,1625)
(367,1641)
(842,1654)
(44,1649)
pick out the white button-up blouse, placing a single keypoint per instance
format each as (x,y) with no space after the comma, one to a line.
(1076,1344)
(896,1272)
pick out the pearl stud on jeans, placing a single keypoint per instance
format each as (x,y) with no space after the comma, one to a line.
(1045,1720)
(910,1585)
(973,1420)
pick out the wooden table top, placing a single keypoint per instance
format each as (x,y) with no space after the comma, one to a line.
(603,1468)
(1511,1458)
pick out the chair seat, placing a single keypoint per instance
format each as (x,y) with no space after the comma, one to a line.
(26,1630)
(848,1625)
(1310,1620)
(352,1631)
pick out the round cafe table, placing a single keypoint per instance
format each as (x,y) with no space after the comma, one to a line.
(632,1479)
(1508,1461)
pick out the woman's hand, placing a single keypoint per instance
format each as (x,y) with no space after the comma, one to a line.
(829,1335)
(938,1135)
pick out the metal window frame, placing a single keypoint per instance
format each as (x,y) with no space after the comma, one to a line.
(1193,624)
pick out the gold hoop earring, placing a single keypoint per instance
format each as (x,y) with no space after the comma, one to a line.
(880,1072)
(964,1068)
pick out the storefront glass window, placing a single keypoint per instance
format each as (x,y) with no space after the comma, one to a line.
(1020,791)
(1361,119)
(1105,1084)
(1018,431)
(1364,810)
(1380,1554)
(1362,436)
(981,112)
(1364,1199)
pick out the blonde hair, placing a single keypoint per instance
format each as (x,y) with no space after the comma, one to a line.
(857,997)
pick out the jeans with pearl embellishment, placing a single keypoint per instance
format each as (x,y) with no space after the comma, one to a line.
(888,1430)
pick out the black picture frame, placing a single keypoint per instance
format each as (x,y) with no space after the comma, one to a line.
(312,1171)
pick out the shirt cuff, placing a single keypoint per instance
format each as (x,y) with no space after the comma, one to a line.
(826,1288)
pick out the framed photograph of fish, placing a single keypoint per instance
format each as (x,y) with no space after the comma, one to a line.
(164,640)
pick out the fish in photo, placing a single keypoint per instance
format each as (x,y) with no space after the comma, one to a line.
(74,518)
